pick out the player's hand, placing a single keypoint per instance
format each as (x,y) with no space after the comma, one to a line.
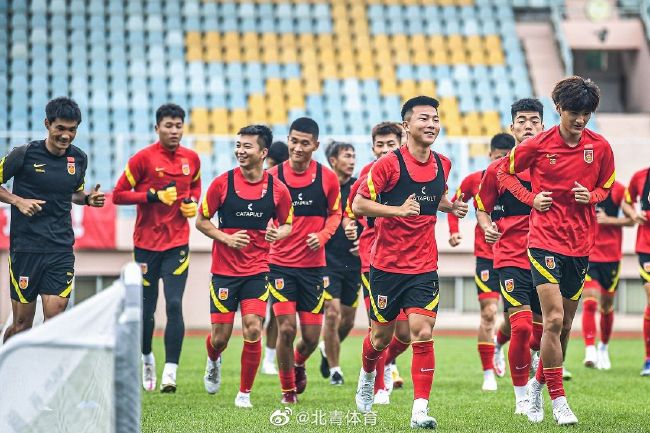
(189,208)
(351,230)
(492,234)
(313,242)
(581,194)
(167,195)
(96,198)
(454,239)
(543,201)
(238,240)
(601,216)
(272,232)
(411,207)
(355,249)
(459,207)
(640,218)
(29,206)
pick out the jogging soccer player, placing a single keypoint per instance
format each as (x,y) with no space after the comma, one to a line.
(342,274)
(574,169)
(48,176)
(505,221)
(386,136)
(412,183)
(639,189)
(164,181)
(278,153)
(602,277)
(486,278)
(249,202)
(297,263)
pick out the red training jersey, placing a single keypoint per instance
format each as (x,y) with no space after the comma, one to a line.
(469,186)
(159,227)
(404,245)
(609,238)
(639,189)
(511,250)
(368,234)
(568,227)
(254,258)
(293,251)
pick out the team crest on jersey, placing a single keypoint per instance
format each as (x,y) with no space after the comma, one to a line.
(279,283)
(382,301)
(223,294)
(485,275)
(550,262)
(144,268)
(71,168)
(326,282)
(186,169)
(646,266)
(589,156)
(552,158)
(510,285)
(23,282)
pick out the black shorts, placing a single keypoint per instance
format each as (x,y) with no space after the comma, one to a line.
(31,274)
(343,285)
(300,286)
(517,289)
(605,273)
(227,293)
(568,272)
(391,292)
(171,265)
(486,278)
(644,270)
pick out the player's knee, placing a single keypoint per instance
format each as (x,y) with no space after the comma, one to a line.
(488,316)
(22,324)
(174,308)
(219,342)
(403,335)
(423,333)
(252,331)
(553,323)
(287,330)
(332,316)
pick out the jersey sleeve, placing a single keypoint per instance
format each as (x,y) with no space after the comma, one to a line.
(606,177)
(123,192)
(354,189)
(212,200)
(618,192)
(11,164)
(520,157)
(466,187)
(633,190)
(283,205)
(332,191)
(195,186)
(381,177)
(82,179)
(488,190)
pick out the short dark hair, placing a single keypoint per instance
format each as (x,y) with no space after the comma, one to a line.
(527,104)
(387,128)
(407,108)
(169,110)
(576,94)
(334,148)
(62,108)
(279,152)
(264,134)
(305,124)
(503,141)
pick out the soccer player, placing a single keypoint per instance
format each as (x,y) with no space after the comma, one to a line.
(164,181)
(412,183)
(505,220)
(573,167)
(602,277)
(639,189)
(249,201)
(48,177)
(278,153)
(342,275)
(297,263)
(487,280)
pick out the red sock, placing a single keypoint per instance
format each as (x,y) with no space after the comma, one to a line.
(536,336)
(213,354)
(502,338)
(554,382)
(521,325)
(606,325)
(395,349)
(379,379)
(288,380)
(646,331)
(422,368)
(251,356)
(486,352)
(369,355)
(299,358)
(539,374)
(589,307)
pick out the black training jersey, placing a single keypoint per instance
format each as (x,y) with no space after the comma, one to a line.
(38,174)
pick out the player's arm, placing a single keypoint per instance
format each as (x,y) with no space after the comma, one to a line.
(284,216)
(486,198)
(454,231)
(189,205)
(458,207)
(334,213)
(10,165)
(606,179)
(209,206)
(95,198)
(632,192)
(618,191)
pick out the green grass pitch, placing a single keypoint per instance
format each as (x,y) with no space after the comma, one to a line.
(604,401)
